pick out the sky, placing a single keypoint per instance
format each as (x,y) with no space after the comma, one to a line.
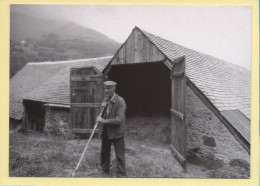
(220,31)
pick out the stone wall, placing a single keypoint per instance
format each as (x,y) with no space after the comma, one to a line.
(15,124)
(57,121)
(209,142)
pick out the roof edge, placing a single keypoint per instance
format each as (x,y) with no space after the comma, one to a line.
(70,61)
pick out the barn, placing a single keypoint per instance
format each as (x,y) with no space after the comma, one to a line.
(206,99)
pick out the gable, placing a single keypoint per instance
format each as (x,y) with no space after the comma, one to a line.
(137,49)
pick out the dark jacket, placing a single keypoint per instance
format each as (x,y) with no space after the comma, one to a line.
(116,118)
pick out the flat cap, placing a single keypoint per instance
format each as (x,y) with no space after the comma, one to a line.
(110,83)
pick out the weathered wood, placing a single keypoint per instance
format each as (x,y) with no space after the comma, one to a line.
(57,105)
(127,51)
(177,74)
(181,159)
(178,114)
(26,120)
(86,95)
(239,121)
(84,131)
(85,78)
(88,117)
(167,63)
(137,48)
(178,125)
(130,64)
(179,59)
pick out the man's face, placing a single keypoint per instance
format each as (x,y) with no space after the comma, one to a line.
(110,90)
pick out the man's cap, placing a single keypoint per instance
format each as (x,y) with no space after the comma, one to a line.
(110,83)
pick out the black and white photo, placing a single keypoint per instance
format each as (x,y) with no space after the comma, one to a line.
(132,91)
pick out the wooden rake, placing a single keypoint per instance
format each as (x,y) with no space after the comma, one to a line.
(83,153)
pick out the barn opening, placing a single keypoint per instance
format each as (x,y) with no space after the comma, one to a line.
(34,115)
(146,88)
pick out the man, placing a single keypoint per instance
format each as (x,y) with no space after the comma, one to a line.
(112,129)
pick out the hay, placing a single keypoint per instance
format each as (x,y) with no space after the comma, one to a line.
(155,129)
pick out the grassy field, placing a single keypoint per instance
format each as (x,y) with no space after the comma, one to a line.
(147,155)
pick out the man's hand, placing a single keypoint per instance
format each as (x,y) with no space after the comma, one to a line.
(100,119)
(104,104)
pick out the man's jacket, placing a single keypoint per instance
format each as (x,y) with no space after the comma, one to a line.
(116,118)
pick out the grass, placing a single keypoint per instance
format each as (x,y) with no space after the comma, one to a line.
(147,155)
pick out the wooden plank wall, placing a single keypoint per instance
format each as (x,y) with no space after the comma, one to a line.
(178,112)
(86,95)
(137,49)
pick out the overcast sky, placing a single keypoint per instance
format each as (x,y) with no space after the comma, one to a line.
(221,31)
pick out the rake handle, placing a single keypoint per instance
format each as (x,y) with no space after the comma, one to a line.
(83,153)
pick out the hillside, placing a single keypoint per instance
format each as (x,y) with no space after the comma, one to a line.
(35,39)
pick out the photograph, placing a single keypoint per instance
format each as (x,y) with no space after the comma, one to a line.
(130,91)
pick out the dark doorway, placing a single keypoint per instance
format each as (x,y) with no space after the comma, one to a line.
(145,87)
(34,115)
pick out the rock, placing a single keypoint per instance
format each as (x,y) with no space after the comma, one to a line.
(240,163)
(208,161)
(209,141)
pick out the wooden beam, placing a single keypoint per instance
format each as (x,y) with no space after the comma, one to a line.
(177,74)
(85,78)
(178,156)
(107,69)
(167,63)
(178,114)
(139,62)
(56,105)
(87,105)
(90,67)
(239,121)
(179,59)
(24,129)
(84,131)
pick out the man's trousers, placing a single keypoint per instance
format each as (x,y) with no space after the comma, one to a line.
(119,146)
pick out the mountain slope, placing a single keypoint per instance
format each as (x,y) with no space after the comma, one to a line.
(53,40)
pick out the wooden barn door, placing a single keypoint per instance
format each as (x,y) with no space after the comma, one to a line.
(86,90)
(178,124)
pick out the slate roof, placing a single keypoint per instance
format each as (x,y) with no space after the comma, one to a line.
(226,85)
(46,82)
